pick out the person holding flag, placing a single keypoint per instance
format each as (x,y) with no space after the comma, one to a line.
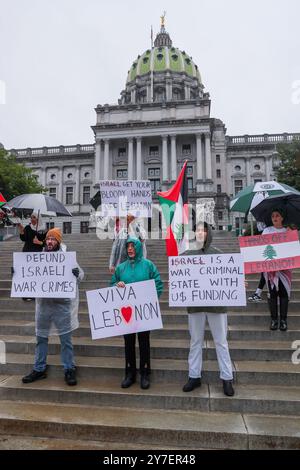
(174,205)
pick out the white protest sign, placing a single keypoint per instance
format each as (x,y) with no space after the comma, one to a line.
(44,274)
(119,198)
(206,280)
(116,311)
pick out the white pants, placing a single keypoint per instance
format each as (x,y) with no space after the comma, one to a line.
(218,326)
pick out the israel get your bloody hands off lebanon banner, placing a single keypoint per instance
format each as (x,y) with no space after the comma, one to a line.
(207,280)
(119,198)
(44,274)
(271,252)
(116,311)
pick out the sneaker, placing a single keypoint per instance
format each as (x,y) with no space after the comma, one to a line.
(33,376)
(255,298)
(228,388)
(191,384)
(70,377)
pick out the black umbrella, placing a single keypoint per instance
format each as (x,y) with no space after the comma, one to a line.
(45,205)
(96,200)
(289,203)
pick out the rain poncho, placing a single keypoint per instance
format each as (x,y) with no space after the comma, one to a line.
(118,251)
(137,269)
(57,316)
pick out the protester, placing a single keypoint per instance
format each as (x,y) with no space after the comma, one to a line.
(118,250)
(256,297)
(278,282)
(136,269)
(55,316)
(217,320)
(34,234)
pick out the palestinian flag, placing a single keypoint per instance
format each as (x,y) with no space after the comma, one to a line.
(2,200)
(174,204)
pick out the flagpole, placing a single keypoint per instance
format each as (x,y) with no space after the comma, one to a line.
(151,73)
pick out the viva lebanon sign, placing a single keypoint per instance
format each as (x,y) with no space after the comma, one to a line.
(271,252)
(118,311)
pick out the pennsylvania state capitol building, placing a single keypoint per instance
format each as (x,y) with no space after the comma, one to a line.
(162,119)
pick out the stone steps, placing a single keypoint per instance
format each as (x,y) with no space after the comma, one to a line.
(163,370)
(253,399)
(148,427)
(279,350)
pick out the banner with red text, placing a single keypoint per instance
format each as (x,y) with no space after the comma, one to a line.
(270,252)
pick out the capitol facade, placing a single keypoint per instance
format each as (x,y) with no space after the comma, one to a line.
(162,119)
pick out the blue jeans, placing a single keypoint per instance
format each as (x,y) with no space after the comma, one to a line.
(41,350)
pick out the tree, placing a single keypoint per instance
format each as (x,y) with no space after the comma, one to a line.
(289,165)
(16,178)
(269,252)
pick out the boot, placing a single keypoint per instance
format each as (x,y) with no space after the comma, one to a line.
(274,313)
(145,380)
(33,376)
(191,384)
(284,302)
(70,376)
(228,388)
(129,379)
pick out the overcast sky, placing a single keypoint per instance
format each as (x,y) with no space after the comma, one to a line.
(60,58)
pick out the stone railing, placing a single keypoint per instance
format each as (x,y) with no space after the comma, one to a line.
(60,150)
(262,139)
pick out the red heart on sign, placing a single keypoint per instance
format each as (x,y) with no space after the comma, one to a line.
(127,313)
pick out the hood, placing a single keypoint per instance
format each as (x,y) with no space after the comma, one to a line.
(138,247)
(194,245)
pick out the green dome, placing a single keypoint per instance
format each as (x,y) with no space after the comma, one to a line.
(163,59)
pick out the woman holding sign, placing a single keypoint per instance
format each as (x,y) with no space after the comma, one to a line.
(137,269)
(279,282)
(217,320)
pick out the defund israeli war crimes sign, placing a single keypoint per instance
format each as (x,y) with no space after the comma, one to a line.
(206,280)
(118,311)
(44,274)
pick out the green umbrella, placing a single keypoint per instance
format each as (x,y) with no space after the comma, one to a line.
(252,195)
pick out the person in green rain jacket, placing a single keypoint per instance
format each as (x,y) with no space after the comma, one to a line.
(135,269)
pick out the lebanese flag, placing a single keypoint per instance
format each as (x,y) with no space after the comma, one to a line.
(2,200)
(174,204)
(270,252)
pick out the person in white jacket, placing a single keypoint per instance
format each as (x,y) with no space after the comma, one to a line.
(56,316)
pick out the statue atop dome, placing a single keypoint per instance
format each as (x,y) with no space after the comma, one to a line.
(162,20)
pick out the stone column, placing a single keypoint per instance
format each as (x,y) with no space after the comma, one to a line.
(77,188)
(43,174)
(173,158)
(165,174)
(60,195)
(268,172)
(199,162)
(208,156)
(106,159)
(97,174)
(248,177)
(199,157)
(130,159)
(139,158)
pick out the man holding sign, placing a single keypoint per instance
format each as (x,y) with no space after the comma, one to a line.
(217,320)
(55,316)
(137,269)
